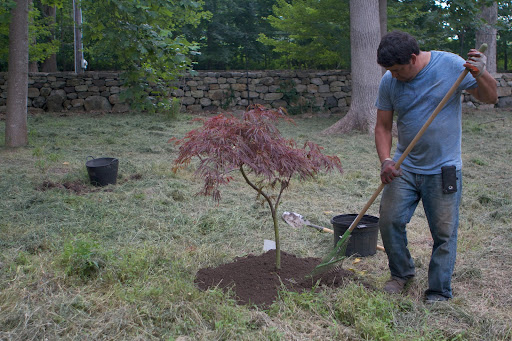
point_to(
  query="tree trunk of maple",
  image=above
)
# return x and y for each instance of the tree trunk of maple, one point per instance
(487, 34)
(50, 63)
(17, 82)
(366, 73)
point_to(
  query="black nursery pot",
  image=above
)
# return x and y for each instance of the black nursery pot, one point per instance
(102, 171)
(363, 239)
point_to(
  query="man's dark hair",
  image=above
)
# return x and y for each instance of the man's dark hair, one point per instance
(396, 48)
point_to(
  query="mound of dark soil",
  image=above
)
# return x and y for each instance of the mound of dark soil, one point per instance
(255, 280)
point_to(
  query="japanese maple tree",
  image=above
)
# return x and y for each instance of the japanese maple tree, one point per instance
(254, 147)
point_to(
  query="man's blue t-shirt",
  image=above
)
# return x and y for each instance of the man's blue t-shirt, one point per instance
(415, 101)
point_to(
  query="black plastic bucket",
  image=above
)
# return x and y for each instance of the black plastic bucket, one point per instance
(363, 239)
(102, 171)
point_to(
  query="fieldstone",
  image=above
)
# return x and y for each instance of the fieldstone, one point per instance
(239, 87)
(504, 91)
(58, 92)
(216, 95)
(197, 93)
(340, 94)
(504, 102)
(77, 103)
(115, 89)
(187, 100)
(58, 85)
(267, 81)
(273, 96)
(114, 99)
(195, 108)
(73, 82)
(33, 92)
(210, 80)
(342, 102)
(121, 107)
(38, 102)
(81, 88)
(331, 102)
(323, 88)
(205, 101)
(317, 81)
(45, 92)
(178, 93)
(279, 104)
(97, 103)
(301, 88)
(54, 102)
(261, 88)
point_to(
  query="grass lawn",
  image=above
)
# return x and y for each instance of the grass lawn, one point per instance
(118, 262)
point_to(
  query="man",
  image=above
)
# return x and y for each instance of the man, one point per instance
(413, 86)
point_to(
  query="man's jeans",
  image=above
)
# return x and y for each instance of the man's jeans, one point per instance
(399, 200)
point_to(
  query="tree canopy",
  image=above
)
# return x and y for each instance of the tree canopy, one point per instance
(155, 37)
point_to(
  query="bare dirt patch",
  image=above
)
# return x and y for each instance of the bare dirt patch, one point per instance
(255, 280)
(75, 187)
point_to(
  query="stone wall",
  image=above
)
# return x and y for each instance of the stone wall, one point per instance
(326, 91)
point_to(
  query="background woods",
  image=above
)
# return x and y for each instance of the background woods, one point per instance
(232, 34)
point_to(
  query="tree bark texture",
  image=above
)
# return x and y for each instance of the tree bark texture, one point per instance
(50, 63)
(366, 73)
(487, 34)
(77, 14)
(383, 14)
(17, 83)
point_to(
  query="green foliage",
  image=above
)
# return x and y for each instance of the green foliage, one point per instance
(229, 38)
(40, 35)
(310, 33)
(144, 39)
(82, 257)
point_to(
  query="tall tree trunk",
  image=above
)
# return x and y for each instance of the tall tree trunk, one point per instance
(50, 63)
(33, 66)
(487, 34)
(505, 55)
(17, 82)
(77, 15)
(383, 15)
(366, 73)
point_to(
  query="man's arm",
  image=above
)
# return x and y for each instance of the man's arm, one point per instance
(383, 133)
(383, 141)
(486, 91)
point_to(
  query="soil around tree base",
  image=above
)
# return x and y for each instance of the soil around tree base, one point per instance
(255, 280)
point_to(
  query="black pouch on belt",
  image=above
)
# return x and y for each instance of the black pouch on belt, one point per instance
(449, 176)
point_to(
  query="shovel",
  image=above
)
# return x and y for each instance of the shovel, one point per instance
(297, 220)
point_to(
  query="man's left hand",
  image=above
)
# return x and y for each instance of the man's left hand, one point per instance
(476, 63)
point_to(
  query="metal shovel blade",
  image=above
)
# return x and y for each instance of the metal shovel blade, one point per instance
(297, 220)
(293, 219)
